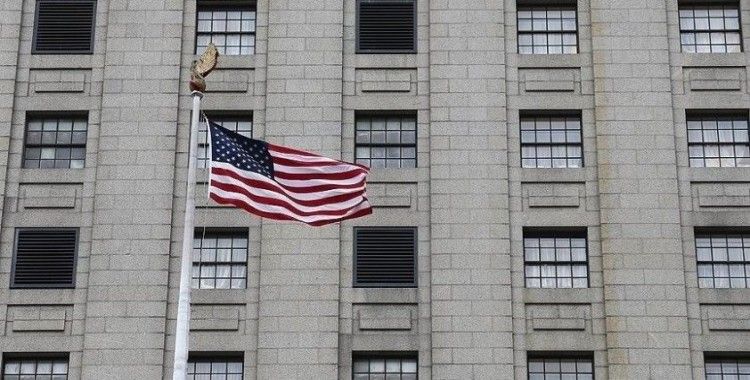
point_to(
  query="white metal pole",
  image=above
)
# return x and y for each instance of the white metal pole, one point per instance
(183, 305)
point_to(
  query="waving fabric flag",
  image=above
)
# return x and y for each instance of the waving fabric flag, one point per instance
(282, 183)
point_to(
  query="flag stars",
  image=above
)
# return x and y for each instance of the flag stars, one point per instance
(241, 152)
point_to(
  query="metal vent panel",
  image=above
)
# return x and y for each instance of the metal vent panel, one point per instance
(386, 26)
(385, 257)
(64, 26)
(45, 258)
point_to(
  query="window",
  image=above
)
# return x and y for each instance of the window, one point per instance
(386, 26)
(710, 28)
(64, 27)
(219, 259)
(718, 140)
(551, 142)
(37, 367)
(555, 259)
(723, 259)
(726, 367)
(547, 30)
(242, 124)
(385, 256)
(384, 366)
(566, 367)
(55, 142)
(386, 141)
(230, 28)
(44, 258)
(212, 367)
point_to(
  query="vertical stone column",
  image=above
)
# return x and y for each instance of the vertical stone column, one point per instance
(10, 35)
(471, 288)
(299, 265)
(125, 322)
(644, 283)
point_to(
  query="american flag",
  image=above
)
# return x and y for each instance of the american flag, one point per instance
(282, 183)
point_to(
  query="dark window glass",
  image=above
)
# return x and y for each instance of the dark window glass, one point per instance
(64, 27)
(551, 142)
(386, 141)
(723, 259)
(565, 367)
(718, 141)
(55, 142)
(29, 367)
(45, 258)
(384, 367)
(710, 28)
(386, 26)
(385, 256)
(547, 30)
(230, 28)
(239, 124)
(215, 368)
(555, 259)
(219, 260)
(729, 368)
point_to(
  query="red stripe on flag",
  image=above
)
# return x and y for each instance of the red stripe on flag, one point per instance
(281, 203)
(278, 216)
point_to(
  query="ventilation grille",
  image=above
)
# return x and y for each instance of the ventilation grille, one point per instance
(64, 26)
(385, 257)
(45, 258)
(386, 26)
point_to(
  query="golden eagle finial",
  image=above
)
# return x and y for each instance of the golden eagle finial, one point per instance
(202, 67)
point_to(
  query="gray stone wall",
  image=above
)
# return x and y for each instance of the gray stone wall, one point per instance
(470, 248)
(644, 281)
(300, 317)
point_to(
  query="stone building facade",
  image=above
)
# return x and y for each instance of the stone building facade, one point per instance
(645, 177)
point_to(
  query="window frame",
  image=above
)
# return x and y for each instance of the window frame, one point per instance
(370, 355)
(560, 355)
(547, 114)
(58, 116)
(415, 260)
(72, 285)
(709, 232)
(204, 5)
(708, 4)
(36, 357)
(359, 50)
(523, 6)
(556, 233)
(216, 356)
(202, 233)
(401, 114)
(36, 51)
(714, 115)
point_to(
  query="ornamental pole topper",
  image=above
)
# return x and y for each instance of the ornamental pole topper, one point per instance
(202, 67)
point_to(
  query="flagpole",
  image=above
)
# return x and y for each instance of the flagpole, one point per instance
(183, 305)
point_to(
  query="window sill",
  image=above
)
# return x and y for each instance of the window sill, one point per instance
(710, 59)
(52, 175)
(385, 295)
(385, 61)
(41, 296)
(556, 296)
(63, 61)
(396, 175)
(718, 174)
(724, 296)
(553, 175)
(219, 296)
(550, 60)
(235, 62)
